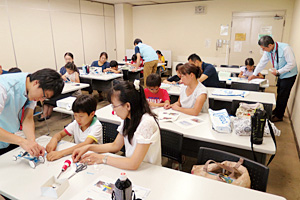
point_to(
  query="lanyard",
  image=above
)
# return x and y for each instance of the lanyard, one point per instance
(22, 117)
(276, 54)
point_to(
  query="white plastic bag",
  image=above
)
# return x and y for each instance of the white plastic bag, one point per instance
(220, 120)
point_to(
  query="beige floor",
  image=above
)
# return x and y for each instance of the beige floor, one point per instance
(284, 177)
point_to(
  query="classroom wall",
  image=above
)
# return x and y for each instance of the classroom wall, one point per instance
(294, 105)
(176, 27)
(37, 33)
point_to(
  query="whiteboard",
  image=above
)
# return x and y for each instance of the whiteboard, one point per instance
(166, 53)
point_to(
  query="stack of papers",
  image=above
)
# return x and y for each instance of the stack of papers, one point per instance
(225, 92)
(259, 81)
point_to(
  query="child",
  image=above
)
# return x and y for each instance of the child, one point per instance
(86, 128)
(72, 75)
(174, 79)
(139, 131)
(248, 69)
(133, 61)
(193, 94)
(161, 59)
(113, 67)
(156, 96)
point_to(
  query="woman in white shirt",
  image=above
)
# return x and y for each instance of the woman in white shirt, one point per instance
(193, 94)
(139, 131)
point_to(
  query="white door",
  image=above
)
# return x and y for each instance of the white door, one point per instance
(254, 25)
(110, 34)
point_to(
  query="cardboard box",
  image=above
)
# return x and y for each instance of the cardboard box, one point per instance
(54, 187)
(66, 103)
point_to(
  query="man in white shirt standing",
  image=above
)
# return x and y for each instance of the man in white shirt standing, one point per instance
(284, 67)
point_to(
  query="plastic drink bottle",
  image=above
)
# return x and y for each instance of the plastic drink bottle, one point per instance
(123, 188)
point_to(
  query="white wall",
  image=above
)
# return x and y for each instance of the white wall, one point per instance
(37, 33)
(176, 27)
(294, 105)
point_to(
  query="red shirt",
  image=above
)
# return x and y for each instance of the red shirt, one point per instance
(141, 63)
(160, 97)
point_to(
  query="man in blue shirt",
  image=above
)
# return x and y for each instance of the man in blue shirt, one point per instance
(209, 77)
(149, 56)
(284, 67)
(18, 95)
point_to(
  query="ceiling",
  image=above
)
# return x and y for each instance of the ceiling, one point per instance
(143, 2)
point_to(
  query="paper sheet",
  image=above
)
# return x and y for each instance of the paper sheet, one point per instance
(188, 122)
(237, 46)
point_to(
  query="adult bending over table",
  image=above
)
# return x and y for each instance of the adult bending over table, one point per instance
(149, 56)
(193, 94)
(284, 67)
(139, 131)
(18, 95)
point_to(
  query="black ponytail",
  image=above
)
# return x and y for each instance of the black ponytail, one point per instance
(126, 92)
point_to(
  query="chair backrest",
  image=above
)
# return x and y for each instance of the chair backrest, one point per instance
(259, 173)
(219, 104)
(245, 86)
(236, 103)
(171, 145)
(222, 84)
(125, 74)
(234, 66)
(110, 133)
(224, 65)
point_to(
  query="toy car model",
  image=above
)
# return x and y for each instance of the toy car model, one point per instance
(33, 161)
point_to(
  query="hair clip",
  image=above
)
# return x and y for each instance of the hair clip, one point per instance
(136, 84)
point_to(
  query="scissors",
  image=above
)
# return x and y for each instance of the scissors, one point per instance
(79, 168)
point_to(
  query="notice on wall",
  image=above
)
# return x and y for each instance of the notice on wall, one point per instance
(224, 30)
(267, 30)
(240, 37)
(237, 46)
(207, 43)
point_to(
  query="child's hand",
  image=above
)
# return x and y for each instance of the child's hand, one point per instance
(51, 146)
(64, 78)
(54, 155)
(167, 106)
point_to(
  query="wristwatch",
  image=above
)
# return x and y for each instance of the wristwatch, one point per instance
(277, 73)
(104, 159)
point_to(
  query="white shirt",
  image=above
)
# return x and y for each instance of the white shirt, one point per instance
(189, 101)
(3, 98)
(246, 72)
(72, 76)
(94, 131)
(289, 57)
(147, 132)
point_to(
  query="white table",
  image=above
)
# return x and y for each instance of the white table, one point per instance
(203, 135)
(71, 87)
(101, 82)
(124, 63)
(229, 80)
(19, 181)
(237, 70)
(262, 97)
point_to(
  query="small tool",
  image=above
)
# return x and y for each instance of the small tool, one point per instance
(67, 164)
(79, 168)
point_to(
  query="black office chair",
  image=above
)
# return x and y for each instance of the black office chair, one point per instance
(259, 173)
(245, 86)
(224, 65)
(222, 84)
(234, 66)
(171, 146)
(236, 103)
(218, 105)
(110, 133)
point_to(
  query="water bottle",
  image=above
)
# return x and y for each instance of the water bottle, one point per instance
(125, 58)
(258, 122)
(122, 189)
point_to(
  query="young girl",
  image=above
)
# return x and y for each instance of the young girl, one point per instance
(139, 131)
(72, 75)
(248, 69)
(193, 94)
(161, 59)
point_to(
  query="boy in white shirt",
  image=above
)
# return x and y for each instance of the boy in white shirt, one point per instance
(86, 128)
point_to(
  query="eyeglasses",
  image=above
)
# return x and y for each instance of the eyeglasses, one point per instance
(117, 105)
(44, 94)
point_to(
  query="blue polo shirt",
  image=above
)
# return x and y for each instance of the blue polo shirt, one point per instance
(104, 66)
(4, 72)
(147, 53)
(210, 71)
